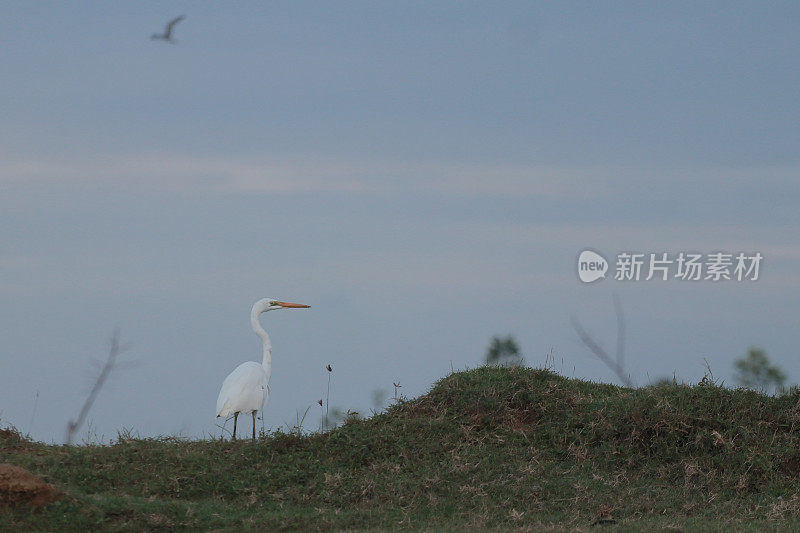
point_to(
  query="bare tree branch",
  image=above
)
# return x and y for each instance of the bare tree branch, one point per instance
(618, 364)
(113, 352)
(620, 332)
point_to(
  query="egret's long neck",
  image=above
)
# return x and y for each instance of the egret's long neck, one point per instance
(267, 361)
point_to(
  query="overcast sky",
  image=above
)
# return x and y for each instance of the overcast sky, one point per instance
(423, 174)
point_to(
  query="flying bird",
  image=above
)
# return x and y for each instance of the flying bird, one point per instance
(167, 35)
(246, 389)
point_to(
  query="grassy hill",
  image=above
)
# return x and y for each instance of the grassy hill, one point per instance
(488, 448)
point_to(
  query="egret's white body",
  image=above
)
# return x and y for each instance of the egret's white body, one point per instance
(246, 389)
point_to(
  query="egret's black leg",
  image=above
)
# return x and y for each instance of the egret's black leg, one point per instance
(254, 425)
(235, 417)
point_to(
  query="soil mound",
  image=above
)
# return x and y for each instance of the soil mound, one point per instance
(17, 485)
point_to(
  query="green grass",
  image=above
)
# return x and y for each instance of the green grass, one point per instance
(492, 448)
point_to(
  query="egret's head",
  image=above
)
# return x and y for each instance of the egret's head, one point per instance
(268, 304)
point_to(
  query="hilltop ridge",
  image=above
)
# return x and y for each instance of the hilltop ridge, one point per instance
(503, 448)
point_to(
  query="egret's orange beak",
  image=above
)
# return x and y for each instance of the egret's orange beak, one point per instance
(296, 306)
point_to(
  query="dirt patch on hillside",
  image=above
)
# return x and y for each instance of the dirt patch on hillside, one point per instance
(17, 485)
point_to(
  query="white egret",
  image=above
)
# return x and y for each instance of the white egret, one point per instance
(246, 389)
